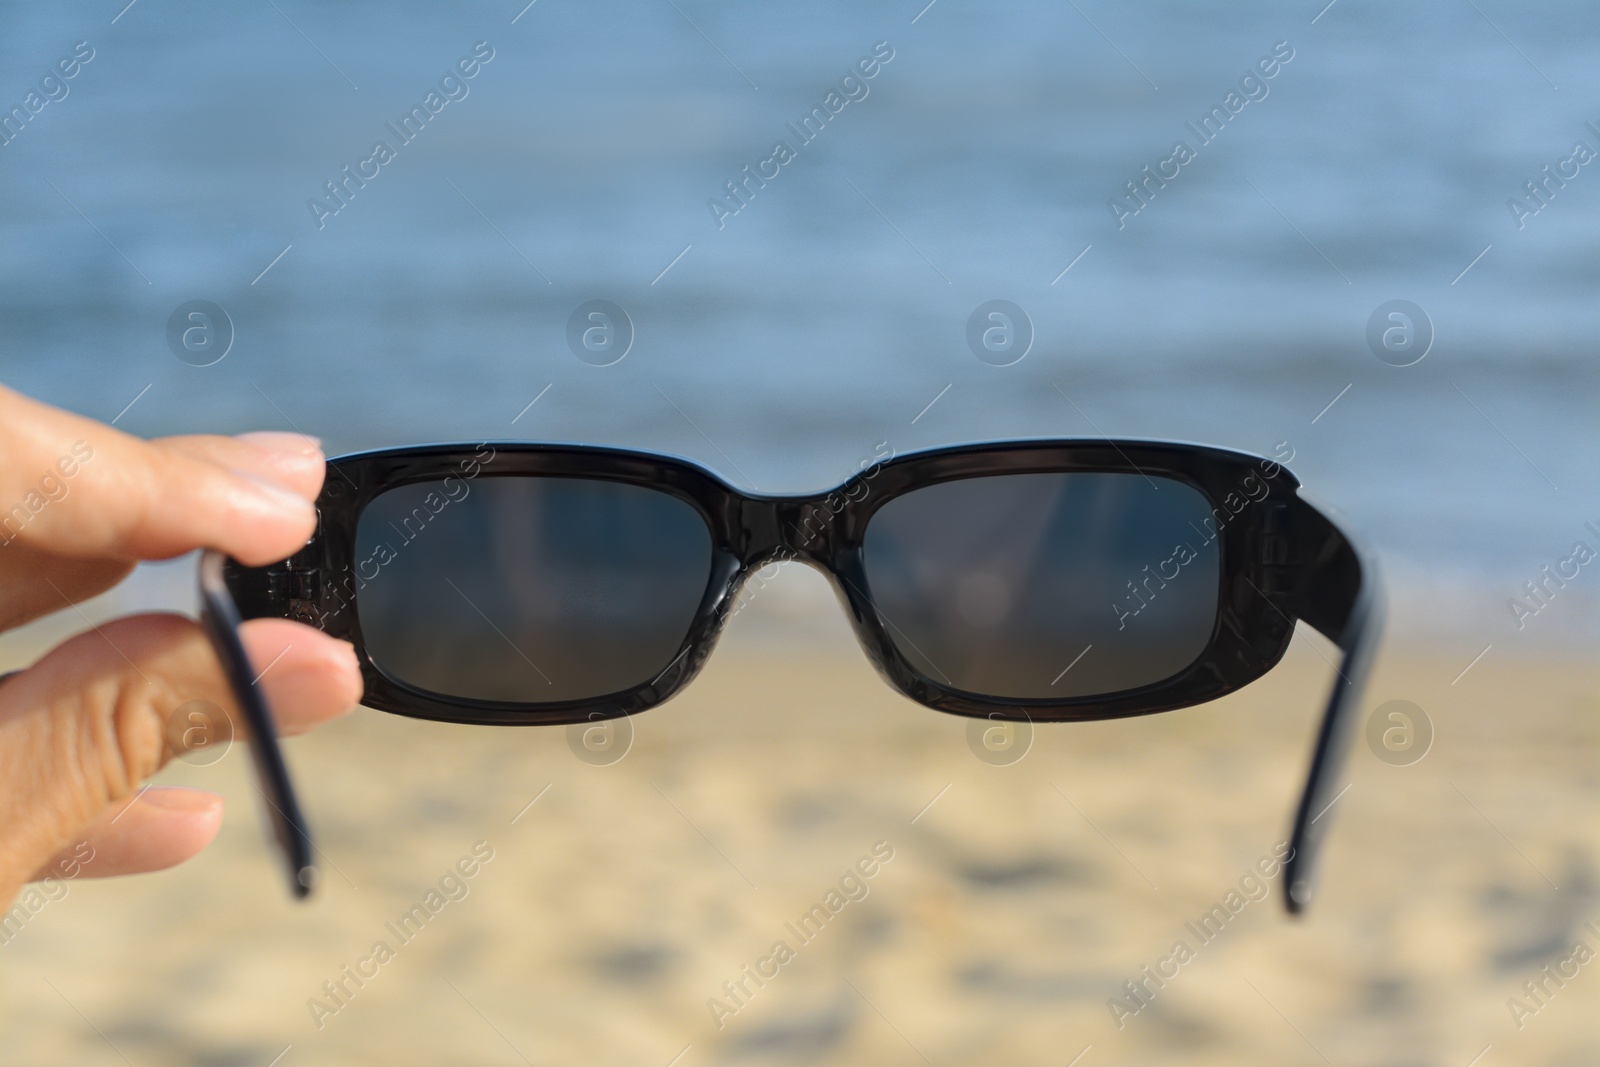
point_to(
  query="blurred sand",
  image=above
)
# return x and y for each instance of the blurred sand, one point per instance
(1013, 909)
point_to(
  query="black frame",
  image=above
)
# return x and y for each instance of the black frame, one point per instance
(1280, 559)
(219, 616)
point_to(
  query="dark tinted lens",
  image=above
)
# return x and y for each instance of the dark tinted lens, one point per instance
(1032, 586)
(528, 589)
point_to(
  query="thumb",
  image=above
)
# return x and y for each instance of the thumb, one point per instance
(83, 728)
(161, 827)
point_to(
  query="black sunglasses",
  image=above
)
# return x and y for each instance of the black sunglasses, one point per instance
(1046, 581)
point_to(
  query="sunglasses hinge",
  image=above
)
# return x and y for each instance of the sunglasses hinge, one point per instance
(285, 582)
(298, 592)
(1273, 552)
(1276, 540)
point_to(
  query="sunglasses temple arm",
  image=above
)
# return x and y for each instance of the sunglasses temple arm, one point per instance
(219, 615)
(1341, 597)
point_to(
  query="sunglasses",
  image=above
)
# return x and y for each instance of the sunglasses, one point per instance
(1037, 581)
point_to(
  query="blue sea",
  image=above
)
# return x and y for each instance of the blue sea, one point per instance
(987, 158)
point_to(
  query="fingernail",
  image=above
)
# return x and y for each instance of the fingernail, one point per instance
(276, 495)
(341, 658)
(177, 798)
(294, 443)
(344, 653)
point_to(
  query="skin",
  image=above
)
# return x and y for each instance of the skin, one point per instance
(82, 729)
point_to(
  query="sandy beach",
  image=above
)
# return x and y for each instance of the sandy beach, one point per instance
(609, 903)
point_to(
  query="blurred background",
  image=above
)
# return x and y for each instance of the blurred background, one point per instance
(1246, 302)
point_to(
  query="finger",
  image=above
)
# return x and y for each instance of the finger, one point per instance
(289, 459)
(308, 676)
(82, 728)
(76, 488)
(35, 583)
(161, 827)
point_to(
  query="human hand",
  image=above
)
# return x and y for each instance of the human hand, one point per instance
(81, 729)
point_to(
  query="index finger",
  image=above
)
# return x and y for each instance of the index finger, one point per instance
(73, 487)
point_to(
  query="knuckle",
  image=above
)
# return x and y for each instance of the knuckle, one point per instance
(104, 718)
(127, 740)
